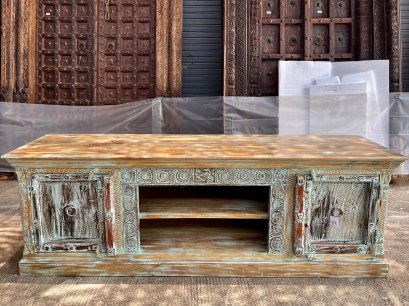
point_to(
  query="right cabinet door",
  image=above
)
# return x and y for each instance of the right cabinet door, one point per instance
(336, 214)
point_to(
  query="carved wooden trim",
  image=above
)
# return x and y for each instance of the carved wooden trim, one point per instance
(364, 37)
(26, 211)
(14, 80)
(197, 177)
(130, 210)
(277, 220)
(32, 54)
(379, 29)
(394, 46)
(230, 48)
(169, 16)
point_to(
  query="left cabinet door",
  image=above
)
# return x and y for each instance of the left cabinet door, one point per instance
(68, 213)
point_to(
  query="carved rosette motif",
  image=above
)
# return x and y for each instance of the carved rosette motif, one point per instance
(233, 177)
(276, 243)
(130, 216)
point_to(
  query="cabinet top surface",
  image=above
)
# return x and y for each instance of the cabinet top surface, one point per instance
(119, 150)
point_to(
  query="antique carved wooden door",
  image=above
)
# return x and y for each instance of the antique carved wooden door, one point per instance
(273, 30)
(65, 44)
(95, 52)
(125, 51)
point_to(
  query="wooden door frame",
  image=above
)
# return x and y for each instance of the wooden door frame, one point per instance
(32, 52)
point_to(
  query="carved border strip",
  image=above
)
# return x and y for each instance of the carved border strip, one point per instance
(277, 209)
(130, 212)
(180, 177)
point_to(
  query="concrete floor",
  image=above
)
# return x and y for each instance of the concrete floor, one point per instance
(16, 290)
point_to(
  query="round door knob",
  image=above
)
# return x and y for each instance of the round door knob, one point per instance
(319, 4)
(292, 3)
(70, 210)
(292, 41)
(318, 41)
(269, 73)
(81, 46)
(110, 47)
(269, 40)
(341, 4)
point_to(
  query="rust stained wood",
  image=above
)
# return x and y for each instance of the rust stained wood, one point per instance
(203, 151)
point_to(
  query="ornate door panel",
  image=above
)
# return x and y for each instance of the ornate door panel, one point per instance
(126, 51)
(330, 30)
(65, 57)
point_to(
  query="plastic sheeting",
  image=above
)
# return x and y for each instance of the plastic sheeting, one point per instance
(315, 115)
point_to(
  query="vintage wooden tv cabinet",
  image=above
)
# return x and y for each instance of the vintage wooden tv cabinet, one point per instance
(203, 205)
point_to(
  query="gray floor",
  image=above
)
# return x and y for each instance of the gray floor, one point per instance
(16, 290)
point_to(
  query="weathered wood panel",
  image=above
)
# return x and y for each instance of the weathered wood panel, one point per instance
(337, 213)
(163, 267)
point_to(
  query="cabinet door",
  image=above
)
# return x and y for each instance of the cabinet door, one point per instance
(336, 214)
(70, 213)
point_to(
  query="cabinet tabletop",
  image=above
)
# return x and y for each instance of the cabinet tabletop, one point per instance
(202, 150)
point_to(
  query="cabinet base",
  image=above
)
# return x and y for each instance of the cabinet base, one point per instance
(128, 267)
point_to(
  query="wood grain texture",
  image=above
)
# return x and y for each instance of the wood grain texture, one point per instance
(90, 267)
(203, 151)
(198, 237)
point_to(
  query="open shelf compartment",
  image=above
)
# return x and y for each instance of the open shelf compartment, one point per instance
(204, 238)
(204, 202)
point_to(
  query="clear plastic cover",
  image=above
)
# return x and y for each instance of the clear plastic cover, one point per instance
(343, 114)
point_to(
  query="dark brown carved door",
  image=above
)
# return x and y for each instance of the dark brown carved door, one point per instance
(303, 30)
(125, 52)
(282, 37)
(65, 52)
(330, 30)
(116, 65)
(259, 34)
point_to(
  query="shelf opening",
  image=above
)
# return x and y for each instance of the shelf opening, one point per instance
(204, 238)
(204, 202)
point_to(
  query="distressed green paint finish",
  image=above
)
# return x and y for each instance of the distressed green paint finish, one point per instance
(323, 213)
